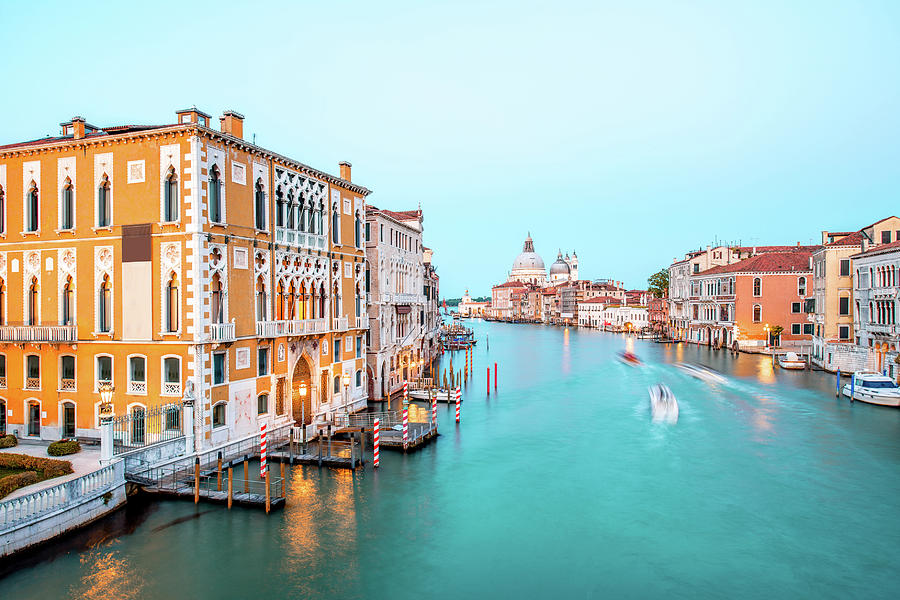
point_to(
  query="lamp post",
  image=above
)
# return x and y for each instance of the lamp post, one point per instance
(106, 422)
(303, 392)
(346, 381)
(767, 329)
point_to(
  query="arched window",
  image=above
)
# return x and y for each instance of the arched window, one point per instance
(171, 376)
(138, 424)
(757, 313)
(215, 195)
(757, 286)
(356, 230)
(292, 304)
(335, 224)
(2, 302)
(67, 301)
(170, 196)
(260, 205)
(32, 217)
(358, 378)
(32, 372)
(137, 375)
(290, 206)
(337, 384)
(33, 306)
(304, 213)
(801, 286)
(321, 228)
(279, 207)
(68, 420)
(104, 369)
(104, 305)
(67, 206)
(104, 212)
(219, 415)
(261, 302)
(171, 303)
(2, 223)
(218, 306)
(280, 302)
(262, 404)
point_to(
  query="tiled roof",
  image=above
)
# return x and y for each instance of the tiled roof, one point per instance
(768, 262)
(765, 249)
(880, 249)
(601, 300)
(881, 221)
(509, 284)
(851, 239)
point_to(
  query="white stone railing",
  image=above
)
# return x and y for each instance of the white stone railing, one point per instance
(307, 326)
(38, 333)
(271, 329)
(171, 389)
(221, 332)
(70, 493)
(293, 237)
(362, 322)
(339, 324)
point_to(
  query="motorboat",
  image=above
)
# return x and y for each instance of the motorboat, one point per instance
(790, 360)
(630, 358)
(874, 388)
(663, 405)
(440, 395)
(702, 373)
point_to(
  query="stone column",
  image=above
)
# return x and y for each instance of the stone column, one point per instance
(106, 439)
(188, 425)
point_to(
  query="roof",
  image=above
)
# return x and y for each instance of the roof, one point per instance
(509, 284)
(601, 300)
(765, 249)
(768, 262)
(854, 238)
(877, 222)
(880, 249)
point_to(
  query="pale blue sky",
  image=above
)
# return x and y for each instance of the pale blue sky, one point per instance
(629, 131)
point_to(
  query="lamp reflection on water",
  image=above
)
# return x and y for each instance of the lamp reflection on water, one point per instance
(108, 576)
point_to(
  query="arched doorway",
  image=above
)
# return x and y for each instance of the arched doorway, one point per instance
(708, 336)
(68, 420)
(384, 381)
(724, 340)
(370, 383)
(2, 417)
(301, 406)
(34, 418)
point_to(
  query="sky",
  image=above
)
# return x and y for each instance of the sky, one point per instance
(631, 132)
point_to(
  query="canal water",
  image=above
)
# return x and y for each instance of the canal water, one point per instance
(558, 485)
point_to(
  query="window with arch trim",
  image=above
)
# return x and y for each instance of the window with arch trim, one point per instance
(358, 378)
(215, 196)
(801, 286)
(137, 374)
(2, 302)
(32, 372)
(757, 286)
(218, 415)
(171, 376)
(67, 206)
(259, 203)
(170, 196)
(33, 307)
(335, 224)
(104, 369)
(67, 303)
(757, 313)
(104, 202)
(171, 304)
(32, 209)
(104, 306)
(262, 404)
(67, 372)
(336, 388)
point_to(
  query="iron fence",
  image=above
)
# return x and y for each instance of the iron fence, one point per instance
(144, 427)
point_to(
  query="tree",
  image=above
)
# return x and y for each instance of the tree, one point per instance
(658, 283)
(776, 332)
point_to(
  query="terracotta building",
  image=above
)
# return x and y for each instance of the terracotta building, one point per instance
(172, 257)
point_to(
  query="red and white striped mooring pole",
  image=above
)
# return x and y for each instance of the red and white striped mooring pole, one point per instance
(405, 425)
(262, 449)
(376, 442)
(405, 392)
(434, 412)
(458, 398)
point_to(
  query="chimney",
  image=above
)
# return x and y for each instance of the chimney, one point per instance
(232, 123)
(824, 237)
(192, 115)
(345, 170)
(78, 127)
(865, 243)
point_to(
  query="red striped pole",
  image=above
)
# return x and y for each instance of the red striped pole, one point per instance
(405, 392)
(262, 450)
(376, 442)
(495, 376)
(405, 426)
(489, 381)
(434, 412)
(458, 398)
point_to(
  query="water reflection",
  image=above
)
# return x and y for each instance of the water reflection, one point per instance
(108, 576)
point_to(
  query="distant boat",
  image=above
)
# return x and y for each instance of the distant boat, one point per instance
(663, 405)
(702, 373)
(873, 388)
(630, 358)
(790, 360)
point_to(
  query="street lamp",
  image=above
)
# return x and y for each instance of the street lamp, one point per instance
(303, 392)
(346, 380)
(766, 328)
(106, 406)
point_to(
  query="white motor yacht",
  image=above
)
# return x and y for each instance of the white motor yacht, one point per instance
(663, 405)
(790, 360)
(702, 373)
(873, 388)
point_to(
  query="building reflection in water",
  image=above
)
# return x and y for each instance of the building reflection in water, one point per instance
(107, 576)
(566, 358)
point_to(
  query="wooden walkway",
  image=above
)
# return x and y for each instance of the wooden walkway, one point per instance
(186, 492)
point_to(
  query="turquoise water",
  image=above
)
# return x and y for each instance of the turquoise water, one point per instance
(557, 486)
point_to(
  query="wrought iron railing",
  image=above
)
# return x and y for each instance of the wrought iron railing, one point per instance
(145, 427)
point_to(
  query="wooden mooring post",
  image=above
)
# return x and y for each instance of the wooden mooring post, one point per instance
(246, 474)
(197, 480)
(230, 485)
(268, 496)
(219, 472)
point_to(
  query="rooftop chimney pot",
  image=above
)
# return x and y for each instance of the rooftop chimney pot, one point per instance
(345, 170)
(232, 123)
(78, 127)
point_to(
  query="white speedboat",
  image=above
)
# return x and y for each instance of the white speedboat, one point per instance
(702, 373)
(441, 395)
(663, 405)
(790, 360)
(873, 388)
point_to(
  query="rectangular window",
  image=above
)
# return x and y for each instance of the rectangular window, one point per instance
(885, 237)
(262, 361)
(795, 307)
(367, 232)
(337, 349)
(844, 305)
(218, 368)
(3, 366)
(845, 267)
(696, 268)
(219, 415)
(844, 332)
(104, 369)
(67, 372)
(807, 329)
(795, 328)
(359, 346)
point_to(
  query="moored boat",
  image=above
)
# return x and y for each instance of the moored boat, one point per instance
(873, 388)
(790, 360)
(440, 395)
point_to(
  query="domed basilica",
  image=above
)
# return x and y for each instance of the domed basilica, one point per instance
(529, 267)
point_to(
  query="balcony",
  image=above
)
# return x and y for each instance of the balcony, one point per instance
(271, 329)
(292, 237)
(54, 334)
(221, 332)
(362, 322)
(307, 326)
(880, 328)
(339, 324)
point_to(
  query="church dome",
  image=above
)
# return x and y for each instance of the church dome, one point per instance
(528, 260)
(560, 267)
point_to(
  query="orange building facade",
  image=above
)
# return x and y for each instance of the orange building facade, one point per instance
(174, 258)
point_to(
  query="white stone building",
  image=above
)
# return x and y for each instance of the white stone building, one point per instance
(876, 295)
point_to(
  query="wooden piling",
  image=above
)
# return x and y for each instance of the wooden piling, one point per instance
(230, 485)
(219, 473)
(268, 496)
(246, 474)
(281, 463)
(291, 447)
(197, 480)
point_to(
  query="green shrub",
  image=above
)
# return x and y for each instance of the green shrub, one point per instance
(63, 447)
(48, 466)
(8, 441)
(11, 483)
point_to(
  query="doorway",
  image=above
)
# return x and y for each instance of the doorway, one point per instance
(68, 420)
(34, 419)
